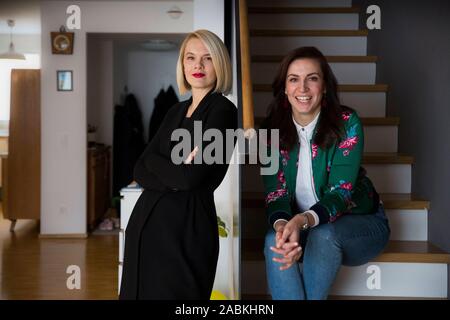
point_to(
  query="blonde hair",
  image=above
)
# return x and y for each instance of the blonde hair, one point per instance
(220, 59)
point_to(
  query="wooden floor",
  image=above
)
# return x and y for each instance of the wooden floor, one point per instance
(33, 268)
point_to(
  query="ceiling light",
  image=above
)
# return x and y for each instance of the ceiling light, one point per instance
(175, 12)
(11, 53)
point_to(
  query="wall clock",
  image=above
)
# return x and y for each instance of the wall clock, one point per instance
(62, 42)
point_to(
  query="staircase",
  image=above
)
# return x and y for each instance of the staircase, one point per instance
(410, 267)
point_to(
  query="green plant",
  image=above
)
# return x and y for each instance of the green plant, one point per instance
(223, 230)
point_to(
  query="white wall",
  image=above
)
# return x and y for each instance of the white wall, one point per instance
(120, 70)
(93, 72)
(31, 61)
(209, 14)
(106, 87)
(100, 88)
(25, 13)
(64, 117)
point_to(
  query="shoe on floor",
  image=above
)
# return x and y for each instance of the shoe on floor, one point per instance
(106, 225)
(116, 222)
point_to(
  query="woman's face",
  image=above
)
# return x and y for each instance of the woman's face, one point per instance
(304, 87)
(198, 67)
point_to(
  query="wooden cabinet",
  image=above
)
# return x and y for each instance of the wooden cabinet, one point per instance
(99, 185)
(21, 165)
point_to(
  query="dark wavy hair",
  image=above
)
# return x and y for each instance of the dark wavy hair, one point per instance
(330, 124)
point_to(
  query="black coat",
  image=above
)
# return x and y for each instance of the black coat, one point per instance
(172, 241)
(163, 102)
(128, 142)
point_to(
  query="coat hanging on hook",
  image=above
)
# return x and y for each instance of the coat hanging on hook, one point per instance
(163, 101)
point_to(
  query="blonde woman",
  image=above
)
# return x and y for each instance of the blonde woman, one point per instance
(172, 242)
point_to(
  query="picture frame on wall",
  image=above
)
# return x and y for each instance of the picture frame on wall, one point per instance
(64, 80)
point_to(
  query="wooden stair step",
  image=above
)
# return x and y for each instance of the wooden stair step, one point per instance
(390, 200)
(403, 201)
(363, 88)
(381, 121)
(279, 10)
(307, 33)
(395, 251)
(341, 88)
(386, 158)
(355, 59)
(374, 121)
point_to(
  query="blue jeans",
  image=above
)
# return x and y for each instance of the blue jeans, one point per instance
(352, 240)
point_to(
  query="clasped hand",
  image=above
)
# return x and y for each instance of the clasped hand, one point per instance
(287, 243)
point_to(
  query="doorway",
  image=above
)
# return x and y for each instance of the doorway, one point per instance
(125, 73)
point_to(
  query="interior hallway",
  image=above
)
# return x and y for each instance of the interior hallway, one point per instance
(33, 268)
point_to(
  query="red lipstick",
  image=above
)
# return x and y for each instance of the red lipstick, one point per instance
(198, 75)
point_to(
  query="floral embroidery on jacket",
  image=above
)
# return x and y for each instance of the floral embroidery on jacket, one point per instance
(345, 189)
(350, 142)
(314, 148)
(281, 191)
(346, 185)
(274, 195)
(346, 115)
(281, 178)
(284, 157)
(343, 185)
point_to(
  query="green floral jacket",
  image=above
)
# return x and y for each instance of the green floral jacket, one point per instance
(339, 181)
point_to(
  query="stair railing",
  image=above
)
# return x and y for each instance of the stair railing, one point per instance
(247, 87)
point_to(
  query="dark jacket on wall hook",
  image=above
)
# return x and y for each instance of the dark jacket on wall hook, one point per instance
(128, 141)
(163, 101)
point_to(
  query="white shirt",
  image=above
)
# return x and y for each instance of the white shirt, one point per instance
(305, 194)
